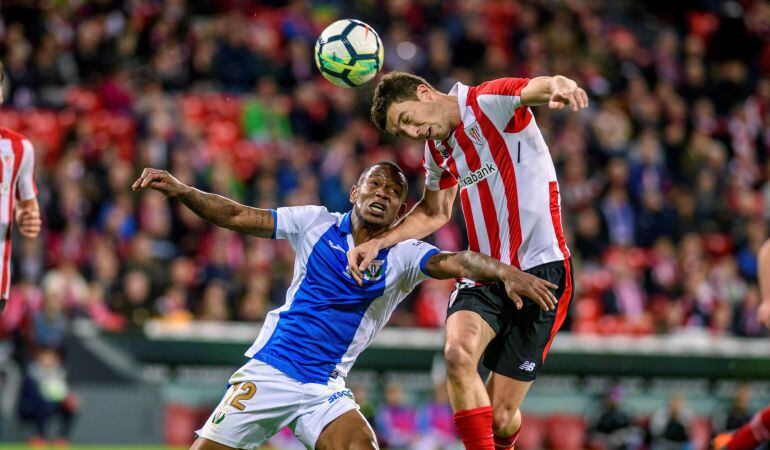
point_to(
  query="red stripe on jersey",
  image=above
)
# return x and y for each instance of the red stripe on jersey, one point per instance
(503, 86)
(562, 306)
(447, 179)
(450, 161)
(485, 194)
(18, 153)
(553, 191)
(470, 225)
(504, 163)
(566, 296)
(521, 118)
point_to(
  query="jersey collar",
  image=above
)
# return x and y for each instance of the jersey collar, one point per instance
(345, 224)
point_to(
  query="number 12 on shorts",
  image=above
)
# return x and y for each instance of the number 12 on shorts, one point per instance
(247, 391)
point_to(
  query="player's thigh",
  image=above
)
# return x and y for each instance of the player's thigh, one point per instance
(349, 431)
(467, 333)
(259, 401)
(205, 444)
(506, 393)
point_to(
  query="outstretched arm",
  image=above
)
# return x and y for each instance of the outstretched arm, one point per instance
(213, 208)
(557, 91)
(764, 283)
(476, 266)
(427, 216)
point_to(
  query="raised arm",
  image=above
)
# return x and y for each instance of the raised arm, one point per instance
(557, 91)
(432, 212)
(764, 283)
(478, 267)
(213, 208)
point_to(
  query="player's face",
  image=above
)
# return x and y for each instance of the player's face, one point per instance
(379, 198)
(422, 119)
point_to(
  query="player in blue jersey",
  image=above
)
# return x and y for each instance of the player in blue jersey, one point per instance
(296, 369)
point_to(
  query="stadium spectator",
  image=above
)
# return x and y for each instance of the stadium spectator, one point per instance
(45, 397)
(670, 426)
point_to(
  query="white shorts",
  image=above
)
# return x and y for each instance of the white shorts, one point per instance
(262, 400)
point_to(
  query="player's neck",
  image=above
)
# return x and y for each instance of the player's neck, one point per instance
(453, 109)
(362, 231)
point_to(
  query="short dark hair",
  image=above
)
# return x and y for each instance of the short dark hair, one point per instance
(393, 88)
(395, 168)
(2, 73)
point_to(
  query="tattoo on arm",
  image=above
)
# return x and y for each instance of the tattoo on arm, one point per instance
(228, 214)
(464, 264)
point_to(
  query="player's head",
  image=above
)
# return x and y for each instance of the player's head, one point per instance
(406, 105)
(380, 194)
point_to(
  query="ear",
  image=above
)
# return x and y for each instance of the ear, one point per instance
(424, 93)
(354, 194)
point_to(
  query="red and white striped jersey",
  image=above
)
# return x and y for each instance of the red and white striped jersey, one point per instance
(508, 188)
(17, 182)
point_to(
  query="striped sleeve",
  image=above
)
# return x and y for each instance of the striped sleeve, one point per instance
(501, 100)
(25, 182)
(436, 177)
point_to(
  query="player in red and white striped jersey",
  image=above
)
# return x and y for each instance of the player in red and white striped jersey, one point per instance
(484, 141)
(18, 196)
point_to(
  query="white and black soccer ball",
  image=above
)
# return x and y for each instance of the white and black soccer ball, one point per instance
(349, 53)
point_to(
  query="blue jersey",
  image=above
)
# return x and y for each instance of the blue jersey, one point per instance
(328, 319)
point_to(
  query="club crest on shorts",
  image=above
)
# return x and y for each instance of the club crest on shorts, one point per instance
(218, 417)
(474, 132)
(374, 271)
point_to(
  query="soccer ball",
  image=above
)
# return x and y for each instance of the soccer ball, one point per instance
(348, 53)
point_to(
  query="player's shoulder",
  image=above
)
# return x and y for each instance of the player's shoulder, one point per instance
(7, 133)
(410, 246)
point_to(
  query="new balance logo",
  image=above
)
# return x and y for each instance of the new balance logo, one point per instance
(336, 247)
(529, 366)
(478, 175)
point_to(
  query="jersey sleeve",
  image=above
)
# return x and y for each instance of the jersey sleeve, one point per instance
(413, 256)
(436, 177)
(501, 101)
(25, 182)
(293, 222)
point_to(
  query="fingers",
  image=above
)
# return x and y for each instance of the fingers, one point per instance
(541, 293)
(544, 299)
(556, 102)
(148, 177)
(367, 259)
(582, 98)
(353, 265)
(516, 299)
(575, 98)
(139, 180)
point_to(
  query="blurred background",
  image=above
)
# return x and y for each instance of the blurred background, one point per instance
(129, 313)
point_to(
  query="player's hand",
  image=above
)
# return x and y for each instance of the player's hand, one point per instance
(565, 92)
(29, 222)
(522, 284)
(360, 257)
(161, 181)
(764, 313)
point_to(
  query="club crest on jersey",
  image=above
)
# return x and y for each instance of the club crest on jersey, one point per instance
(6, 160)
(4, 188)
(474, 132)
(374, 271)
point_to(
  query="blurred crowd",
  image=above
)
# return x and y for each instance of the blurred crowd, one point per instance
(404, 423)
(664, 180)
